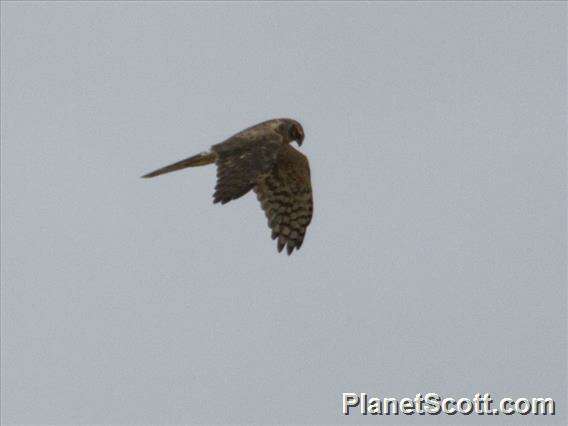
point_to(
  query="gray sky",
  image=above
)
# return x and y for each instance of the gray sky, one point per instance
(436, 260)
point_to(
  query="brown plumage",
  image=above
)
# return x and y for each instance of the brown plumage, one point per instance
(260, 158)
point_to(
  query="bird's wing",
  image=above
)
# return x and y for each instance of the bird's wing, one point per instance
(286, 197)
(242, 160)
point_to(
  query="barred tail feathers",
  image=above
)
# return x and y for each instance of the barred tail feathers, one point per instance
(201, 159)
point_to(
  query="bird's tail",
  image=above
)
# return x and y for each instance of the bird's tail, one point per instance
(201, 159)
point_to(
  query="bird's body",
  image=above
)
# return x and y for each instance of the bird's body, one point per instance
(260, 158)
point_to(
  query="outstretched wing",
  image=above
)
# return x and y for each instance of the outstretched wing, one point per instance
(286, 197)
(243, 159)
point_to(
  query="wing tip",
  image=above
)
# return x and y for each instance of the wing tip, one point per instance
(284, 242)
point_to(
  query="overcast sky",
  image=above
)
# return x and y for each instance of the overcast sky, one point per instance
(435, 262)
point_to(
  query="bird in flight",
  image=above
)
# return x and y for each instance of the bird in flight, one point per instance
(261, 158)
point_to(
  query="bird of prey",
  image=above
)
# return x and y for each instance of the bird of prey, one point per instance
(261, 158)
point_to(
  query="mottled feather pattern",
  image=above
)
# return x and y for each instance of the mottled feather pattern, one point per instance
(261, 158)
(286, 197)
(240, 163)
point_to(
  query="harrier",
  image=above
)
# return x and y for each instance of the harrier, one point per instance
(261, 158)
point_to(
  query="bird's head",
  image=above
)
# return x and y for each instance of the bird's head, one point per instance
(296, 132)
